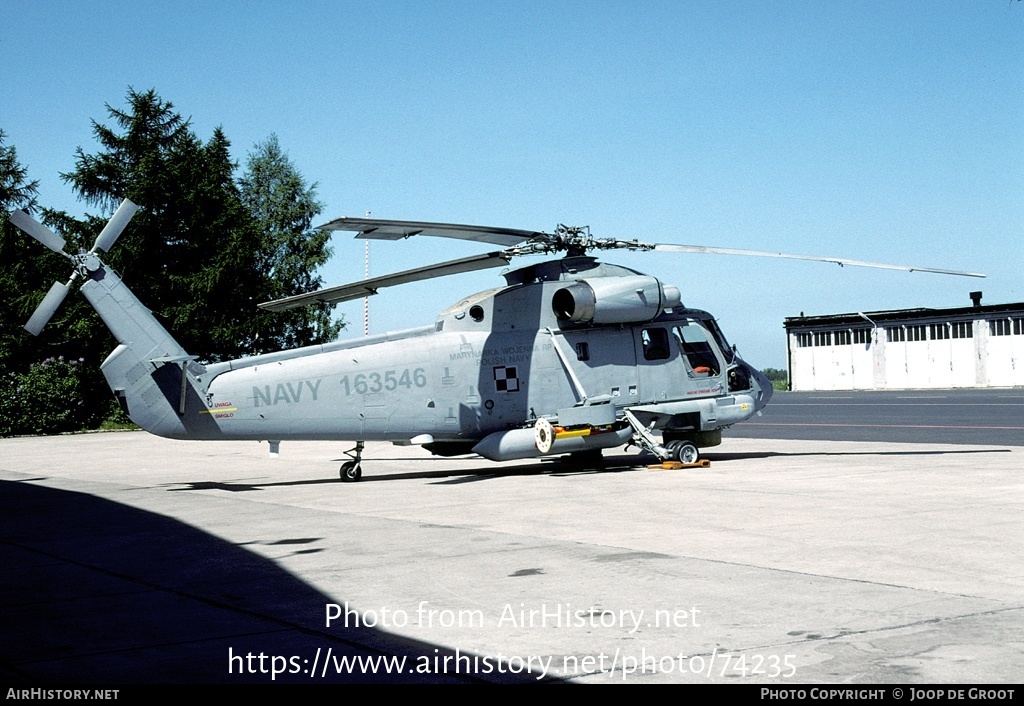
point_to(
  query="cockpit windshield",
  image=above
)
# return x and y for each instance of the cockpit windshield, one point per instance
(696, 347)
(723, 344)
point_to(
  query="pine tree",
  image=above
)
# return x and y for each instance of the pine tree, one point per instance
(44, 384)
(194, 254)
(202, 252)
(155, 160)
(21, 276)
(284, 207)
(15, 191)
(28, 271)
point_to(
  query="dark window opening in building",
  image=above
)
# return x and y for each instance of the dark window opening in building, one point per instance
(999, 327)
(862, 335)
(917, 333)
(938, 332)
(803, 340)
(1018, 327)
(963, 329)
(895, 334)
(842, 338)
(823, 338)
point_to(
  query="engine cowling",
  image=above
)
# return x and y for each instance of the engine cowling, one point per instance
(614, 300)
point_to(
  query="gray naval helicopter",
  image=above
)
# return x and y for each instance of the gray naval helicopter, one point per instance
(571, 356)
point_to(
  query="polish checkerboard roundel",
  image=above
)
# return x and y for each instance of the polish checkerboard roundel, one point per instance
(505, 379)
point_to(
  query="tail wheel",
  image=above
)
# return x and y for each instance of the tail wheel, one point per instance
(351, 471)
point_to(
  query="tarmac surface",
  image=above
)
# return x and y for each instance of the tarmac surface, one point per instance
(989, 416)
(134, 559)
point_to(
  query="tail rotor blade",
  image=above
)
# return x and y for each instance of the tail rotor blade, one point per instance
(47, 307)
(37, 230)
(115, 225)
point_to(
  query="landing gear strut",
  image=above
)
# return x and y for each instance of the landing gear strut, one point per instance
(642, 437)
(680, 450)
(351, 471)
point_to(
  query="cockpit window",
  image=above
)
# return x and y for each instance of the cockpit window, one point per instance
(723, 344)
(692, 339)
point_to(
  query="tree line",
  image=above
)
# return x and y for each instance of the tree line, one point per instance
(208, 244)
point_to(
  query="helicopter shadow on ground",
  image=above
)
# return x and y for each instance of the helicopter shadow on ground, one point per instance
(558, 467)
(448, 476)
(97, 592)
(555, 467)
(564, 467)
(640, 462)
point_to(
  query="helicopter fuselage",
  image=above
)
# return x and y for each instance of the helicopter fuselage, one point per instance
(572, 356)
(491, 364)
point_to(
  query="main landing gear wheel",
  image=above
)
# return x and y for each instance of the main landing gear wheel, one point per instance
(683, 451)
(351, 471)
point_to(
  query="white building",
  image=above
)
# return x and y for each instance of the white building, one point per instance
(977, 346)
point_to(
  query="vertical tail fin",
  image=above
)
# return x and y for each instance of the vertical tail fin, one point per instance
(152, 376)
(150, 373)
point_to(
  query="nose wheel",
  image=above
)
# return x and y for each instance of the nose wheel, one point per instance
(351, 471)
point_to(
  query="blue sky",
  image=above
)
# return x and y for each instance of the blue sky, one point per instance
(880, 131)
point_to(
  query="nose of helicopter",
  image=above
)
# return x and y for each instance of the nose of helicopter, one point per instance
(763, 387)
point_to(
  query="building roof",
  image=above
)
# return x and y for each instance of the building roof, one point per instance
(903, 316)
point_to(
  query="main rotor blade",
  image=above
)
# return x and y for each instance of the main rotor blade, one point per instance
(114, 226)
(366, 287)
(47, 307)
(382, 229)
(704, 250)
(38, 231)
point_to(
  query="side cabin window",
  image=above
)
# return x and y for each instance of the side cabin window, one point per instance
(696, 348)
(655, 341)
